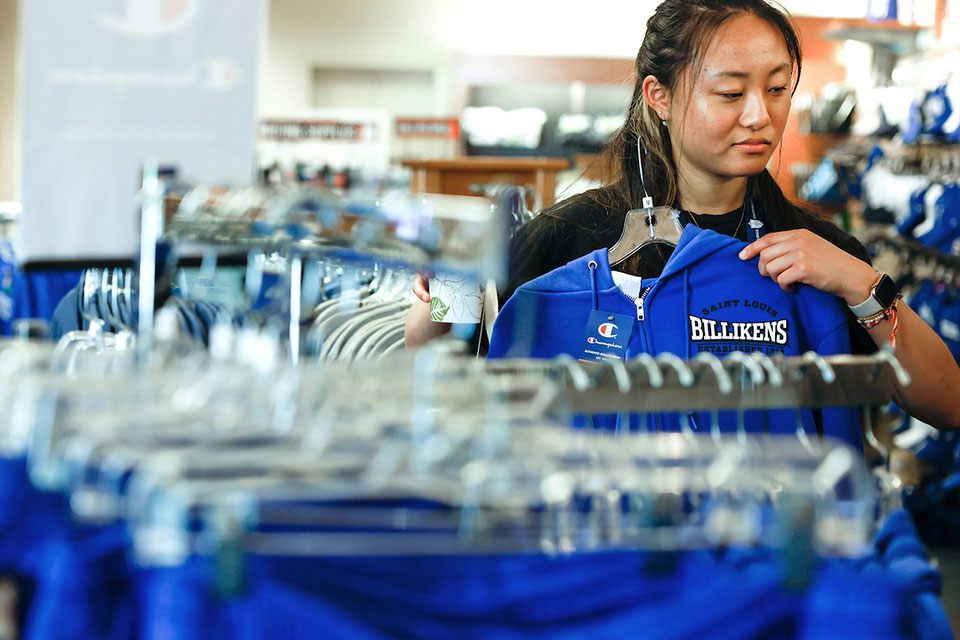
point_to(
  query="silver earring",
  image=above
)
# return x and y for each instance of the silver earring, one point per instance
(662, 121)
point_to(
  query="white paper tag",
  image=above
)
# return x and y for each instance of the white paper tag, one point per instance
(455, 299)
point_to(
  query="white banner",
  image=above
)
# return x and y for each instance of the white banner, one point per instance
(110, 84)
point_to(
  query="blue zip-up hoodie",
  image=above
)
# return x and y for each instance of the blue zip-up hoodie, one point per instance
(706, 300)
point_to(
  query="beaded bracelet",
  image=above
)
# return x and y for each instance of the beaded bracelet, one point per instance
(871, 321)
(890, 312)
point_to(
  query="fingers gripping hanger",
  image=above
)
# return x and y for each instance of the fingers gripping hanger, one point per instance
(645, 226)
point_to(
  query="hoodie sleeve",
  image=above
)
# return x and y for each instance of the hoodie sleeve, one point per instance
(538, 324)
(504, 329)
(515, 332)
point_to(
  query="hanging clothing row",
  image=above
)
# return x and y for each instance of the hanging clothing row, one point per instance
(922, 251)
(931, 282)
(929, 278)
(316, 234)
(230, 501)
(336, 244)
(368, 323)
(936, 114)
(105, 300)
(923, 201)
(911, 197)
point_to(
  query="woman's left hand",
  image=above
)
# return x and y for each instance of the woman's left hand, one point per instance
(801, 256)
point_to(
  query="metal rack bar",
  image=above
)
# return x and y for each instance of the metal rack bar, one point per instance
(661, 385)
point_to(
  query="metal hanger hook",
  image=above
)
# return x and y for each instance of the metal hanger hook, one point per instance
(641, 152)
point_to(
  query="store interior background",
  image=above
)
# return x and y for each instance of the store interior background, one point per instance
(436, 57)
(364, 64)
(369, 62)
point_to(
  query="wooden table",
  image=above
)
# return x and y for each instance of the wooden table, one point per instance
(459, 176)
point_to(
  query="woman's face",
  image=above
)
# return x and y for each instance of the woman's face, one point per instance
(730, 120)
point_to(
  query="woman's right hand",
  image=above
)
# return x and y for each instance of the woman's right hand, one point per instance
(421, 288)
(420, 329)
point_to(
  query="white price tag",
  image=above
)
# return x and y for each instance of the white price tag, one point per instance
(454, 299)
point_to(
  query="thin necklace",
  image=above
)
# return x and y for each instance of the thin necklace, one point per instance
(743, 210)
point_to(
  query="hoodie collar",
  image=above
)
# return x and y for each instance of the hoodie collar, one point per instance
(695, 245)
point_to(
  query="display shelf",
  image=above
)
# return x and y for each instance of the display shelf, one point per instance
(460, 176)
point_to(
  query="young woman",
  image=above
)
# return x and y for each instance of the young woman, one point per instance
(715, 79)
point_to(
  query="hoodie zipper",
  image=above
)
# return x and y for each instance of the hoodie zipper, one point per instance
(641, 316)
(641, 311)
(639, 302)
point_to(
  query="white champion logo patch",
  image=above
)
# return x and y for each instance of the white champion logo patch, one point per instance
(755, 224)
(608, 330)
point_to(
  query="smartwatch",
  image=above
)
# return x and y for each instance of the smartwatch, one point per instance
(882, 296)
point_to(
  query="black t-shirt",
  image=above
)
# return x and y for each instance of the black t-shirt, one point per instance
(732, 223)
(582, 224)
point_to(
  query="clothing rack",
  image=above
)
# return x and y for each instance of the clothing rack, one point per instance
(707, 383)
(926, 158)
(904, 256)
(501, 474)
(918, 156)
(453, 234)
(428, 462)
(457, 233)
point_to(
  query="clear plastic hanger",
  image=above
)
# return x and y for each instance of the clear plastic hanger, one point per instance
(649, 225)
(474, 448)
(550, 491)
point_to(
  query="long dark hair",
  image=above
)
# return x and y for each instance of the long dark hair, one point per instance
(678, 34)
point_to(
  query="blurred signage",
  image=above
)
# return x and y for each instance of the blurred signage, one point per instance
(318, 130)
(442, 128)
(110, 84)
(882, 10)
(149, 18)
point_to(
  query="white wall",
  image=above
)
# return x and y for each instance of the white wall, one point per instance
(427, 34)
(371, 34)
(402, 92)
(9, 103)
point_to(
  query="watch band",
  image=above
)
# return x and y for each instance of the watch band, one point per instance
(870, 306)
(883, 293)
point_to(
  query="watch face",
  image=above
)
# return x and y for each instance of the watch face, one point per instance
(886, 291)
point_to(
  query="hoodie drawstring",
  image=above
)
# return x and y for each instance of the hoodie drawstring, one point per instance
(686, 307)
(691, 415)
(592, 265)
